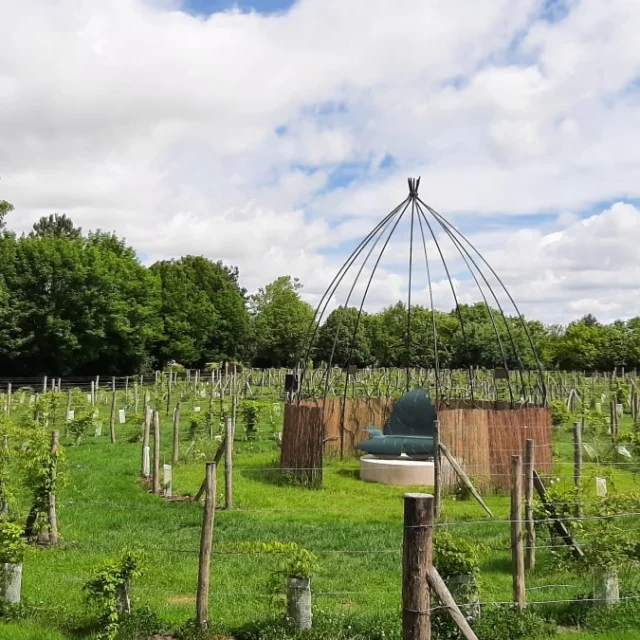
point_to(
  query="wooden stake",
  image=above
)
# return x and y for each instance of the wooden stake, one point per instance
(416, 563)
(156, 452)
(51, 502)
(557, 523)
(228, 465)
(176, 434)
(146, 432)
(213, 373)
(517, 550)
(530, 525)
(206, 544)
(93, 393)
(613, 420)
(577, 464)
(112, 417)
(8, 400)
(465, 479)
(439, 586)
(437, 471)
(216, 459)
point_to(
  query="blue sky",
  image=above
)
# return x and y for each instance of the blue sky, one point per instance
(206, 7)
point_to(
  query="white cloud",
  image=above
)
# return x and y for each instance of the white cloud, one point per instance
(139, 117)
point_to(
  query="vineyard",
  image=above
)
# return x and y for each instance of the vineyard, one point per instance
(106, 504)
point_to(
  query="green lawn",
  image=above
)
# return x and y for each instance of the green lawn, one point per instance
(353, 527)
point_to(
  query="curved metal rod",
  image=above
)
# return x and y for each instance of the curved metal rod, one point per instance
(515, 306)
(355, 331)
(353, 286)
(455, 298)
(484, 298)
(408, 345)
(433, 315)
(448, 228)
(337, 279)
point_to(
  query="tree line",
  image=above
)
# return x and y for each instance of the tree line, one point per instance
(74, 303)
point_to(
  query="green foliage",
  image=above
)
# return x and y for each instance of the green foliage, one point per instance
(610, 545)
(12, 544)
(280, 321)
(5, 208)
(508, 623)
(203, 311)
(252, 413)
(454, 555)
(74, 304)
(82, 423)
(57, 225)
(326, 626)
(140, 624)
(198, 424)
(108, 588)
(191, 630)
(624, 616)
(173, 367)
(293, 561)
(560, 414)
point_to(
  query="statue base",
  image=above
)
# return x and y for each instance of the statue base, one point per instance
(400, 471)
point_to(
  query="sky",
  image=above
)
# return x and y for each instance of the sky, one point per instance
(275, 135)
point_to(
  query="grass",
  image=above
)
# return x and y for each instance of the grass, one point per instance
(354, 528)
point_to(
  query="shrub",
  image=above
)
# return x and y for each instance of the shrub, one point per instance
(560, 414)
(326, 626)
(12, 544)
(109, 590)
(508, 623)
(80, 424)
(141, 624)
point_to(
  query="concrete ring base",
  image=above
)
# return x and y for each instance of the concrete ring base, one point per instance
(400, 472)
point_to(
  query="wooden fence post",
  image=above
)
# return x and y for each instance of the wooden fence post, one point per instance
(112, 417)
(437, 471)
(206, 544)
(613, 420)
(211, 392)
(145, 471)
(156, 452)
(8, 400)
(416, 563)
(529, 464)
(51, 502)
(228, 465)
(44, 384)
(517, 550)
(176, 434)
(577, 465)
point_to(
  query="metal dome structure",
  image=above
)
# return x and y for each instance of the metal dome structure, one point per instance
(435, 247)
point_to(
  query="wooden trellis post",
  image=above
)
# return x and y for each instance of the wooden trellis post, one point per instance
(416, 563)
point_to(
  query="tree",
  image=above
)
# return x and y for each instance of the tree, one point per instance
(338, 340)
(57, 225)
(79, 305)
(5, 208)
(281, 321)
(203, 312)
